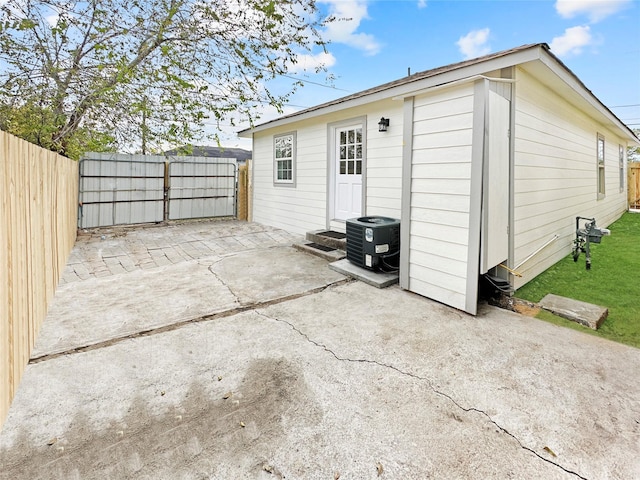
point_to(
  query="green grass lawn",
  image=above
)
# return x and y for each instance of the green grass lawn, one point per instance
(612, 282)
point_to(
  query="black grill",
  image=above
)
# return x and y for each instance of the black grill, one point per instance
(355, 239)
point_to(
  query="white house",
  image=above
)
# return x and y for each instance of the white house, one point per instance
(486, 163)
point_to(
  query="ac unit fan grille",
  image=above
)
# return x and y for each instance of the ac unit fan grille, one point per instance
(394, 245)
(355, 252)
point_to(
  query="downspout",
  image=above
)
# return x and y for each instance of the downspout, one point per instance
(510, 73)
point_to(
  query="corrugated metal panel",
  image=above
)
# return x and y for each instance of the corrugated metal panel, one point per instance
(117, 191)
(202, 189)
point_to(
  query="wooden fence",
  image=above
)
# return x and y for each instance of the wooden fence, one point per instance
(38, 216)
(633, 192)
(243, 192)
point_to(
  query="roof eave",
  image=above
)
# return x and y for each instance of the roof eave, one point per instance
(449, 74)
(399, 88)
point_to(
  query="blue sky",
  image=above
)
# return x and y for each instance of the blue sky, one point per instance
(599, 40)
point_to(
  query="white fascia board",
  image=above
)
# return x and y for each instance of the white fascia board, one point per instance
(406, 89)
(336, 107)
(453, 84)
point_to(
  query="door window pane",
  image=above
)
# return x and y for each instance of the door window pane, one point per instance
(350, 149)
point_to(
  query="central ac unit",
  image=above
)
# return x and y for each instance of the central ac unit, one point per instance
(374, 242)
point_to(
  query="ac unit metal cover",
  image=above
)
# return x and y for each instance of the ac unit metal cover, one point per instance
(373, 242)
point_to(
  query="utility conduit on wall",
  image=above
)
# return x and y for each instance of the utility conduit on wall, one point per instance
(555, 237)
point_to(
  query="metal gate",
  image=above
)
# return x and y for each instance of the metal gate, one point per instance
(201, 190)
(118, 189)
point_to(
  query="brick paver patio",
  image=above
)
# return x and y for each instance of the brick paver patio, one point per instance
(101, 252)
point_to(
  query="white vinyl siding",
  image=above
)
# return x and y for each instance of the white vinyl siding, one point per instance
(304, 207)
(298, 208)
(383, 184)
(556, 175)
(440, 195)
(551, 143)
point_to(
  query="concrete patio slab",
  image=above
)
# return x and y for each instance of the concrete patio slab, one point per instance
(263, 275)
(293, 410)
(527, 378)
(102, 309)
(340, 380)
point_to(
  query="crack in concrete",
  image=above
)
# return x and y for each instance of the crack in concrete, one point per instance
(236, 298)
(431, 386)
(175, 326)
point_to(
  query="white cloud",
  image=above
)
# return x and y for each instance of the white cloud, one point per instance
(422, 3)
(572, 42)
(596, 10)
(474, 43)
(52, 19)
(349, 14)
(308, 62)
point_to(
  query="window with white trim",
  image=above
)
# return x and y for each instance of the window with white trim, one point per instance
(621, 166)
(600, 166)
(284, 158)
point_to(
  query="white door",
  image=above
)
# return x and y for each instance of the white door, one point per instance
(495, 205)
(348, 168)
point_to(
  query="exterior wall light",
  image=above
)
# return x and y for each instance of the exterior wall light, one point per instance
(383, 124)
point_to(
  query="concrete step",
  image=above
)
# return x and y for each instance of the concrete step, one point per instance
(376, 279)
(328, 238)
(584, 313)
(323, 251)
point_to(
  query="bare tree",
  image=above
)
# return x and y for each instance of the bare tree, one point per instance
(117, 70)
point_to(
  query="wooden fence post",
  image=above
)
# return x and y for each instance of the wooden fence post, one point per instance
(243, 192)
(633, 185)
